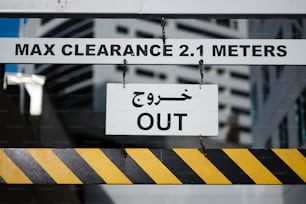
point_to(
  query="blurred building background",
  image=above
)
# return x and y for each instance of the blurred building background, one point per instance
(74, 108)
(278, 92)
(81, 88)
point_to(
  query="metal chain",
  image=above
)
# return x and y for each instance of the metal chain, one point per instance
(201, 67)
(124, 71)
(123, 151)
(163, 23)
(202, 149)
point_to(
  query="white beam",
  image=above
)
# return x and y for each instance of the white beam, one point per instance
(157, 8)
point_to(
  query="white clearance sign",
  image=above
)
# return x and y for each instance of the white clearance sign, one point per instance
(152, 51)
(162, 109)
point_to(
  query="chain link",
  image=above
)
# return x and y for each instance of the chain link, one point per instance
(201, 67)
(124, 71)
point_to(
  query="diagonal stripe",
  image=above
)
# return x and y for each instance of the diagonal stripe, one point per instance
(78, 166)
(276, 166)
(303, 151)
(228, 167)
(11, 173)
(1, 180)
(251, 166)
(128, 166)
(202, 166)
(152, 166)
(60, 173)
(294, 159)
(104, 167)
(177, 166)
(29, 166)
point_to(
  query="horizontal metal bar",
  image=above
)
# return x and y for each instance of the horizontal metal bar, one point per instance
(156, 8)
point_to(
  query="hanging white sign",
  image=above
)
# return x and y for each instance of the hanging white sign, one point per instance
(162, 109)
(152, 51)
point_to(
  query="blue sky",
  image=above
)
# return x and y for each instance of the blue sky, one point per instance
(9, 27)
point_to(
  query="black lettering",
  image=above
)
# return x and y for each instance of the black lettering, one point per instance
(219, 52)
(36, 50)
(65, 52)
(77, 51)
(180, 117)
(22, 50)
(49, 49)
(282, 52)
(184, 51)
(244, 49)
(256, 49)
(142, 50)
(90, 50)
(102, 51)
(115, 49)
(201, 49)
(232, 50)
(269, 51)
(128, 50)
(151, 122)
(152, 50)
(168, 124)
(167, 50)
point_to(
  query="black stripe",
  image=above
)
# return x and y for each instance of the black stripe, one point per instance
(2, 180)
(177, 166)
(29, 166)
(78, 166)
(303, 151)
(229, 168)
(272, 162)
(128, 166)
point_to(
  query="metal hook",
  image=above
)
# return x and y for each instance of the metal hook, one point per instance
(163, 23)
(161, 155)
(123, 152)
(202, 149)
(201, 67)
(124, 72)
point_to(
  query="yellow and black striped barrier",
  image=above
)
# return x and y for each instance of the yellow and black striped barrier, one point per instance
(151, 166)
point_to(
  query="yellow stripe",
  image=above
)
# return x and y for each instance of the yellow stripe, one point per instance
(152, 166)
(104, 167)
(10, 172)
(202, 166)
(294, 159)
(251, 166)
(60, 173)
